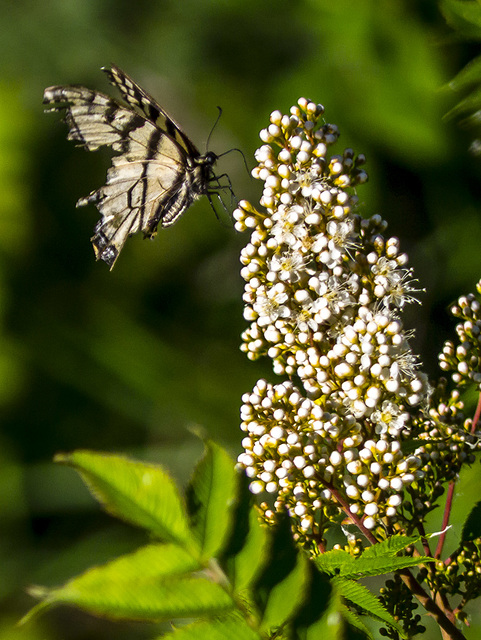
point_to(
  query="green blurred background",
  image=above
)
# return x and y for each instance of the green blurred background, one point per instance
(136, 359)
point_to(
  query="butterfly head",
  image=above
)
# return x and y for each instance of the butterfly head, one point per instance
(209, 158)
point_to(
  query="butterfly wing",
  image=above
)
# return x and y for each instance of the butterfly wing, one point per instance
(156, 174)
(143, 103)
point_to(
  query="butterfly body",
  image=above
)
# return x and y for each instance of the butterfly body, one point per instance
(158, 172)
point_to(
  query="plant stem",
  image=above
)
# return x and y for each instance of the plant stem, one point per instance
(353, 517)
(424, 540)
(440, 611)
(446, 515)
(450, 496)
(448, 629)
(477, 414)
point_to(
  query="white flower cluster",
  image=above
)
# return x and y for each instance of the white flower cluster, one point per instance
(304, 455)
(323, 292)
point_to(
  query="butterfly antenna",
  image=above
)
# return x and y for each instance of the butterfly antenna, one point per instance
(226, 152)
(212, 130)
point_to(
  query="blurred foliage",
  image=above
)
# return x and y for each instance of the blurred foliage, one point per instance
(133, 359)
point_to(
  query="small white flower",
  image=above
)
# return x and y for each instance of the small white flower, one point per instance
(288, 227)
(333, 293)
(389, 419)
(288, 266)
(395, 284)
(269, 304)
(341, 235)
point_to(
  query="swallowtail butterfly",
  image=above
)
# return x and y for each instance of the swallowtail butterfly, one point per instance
(157, 173)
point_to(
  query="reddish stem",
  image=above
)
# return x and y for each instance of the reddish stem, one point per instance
(352, 516)
(450, 496)
(447, 512)
(448, 628)
(424, 540)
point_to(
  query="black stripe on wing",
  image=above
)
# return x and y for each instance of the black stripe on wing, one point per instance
(94, 119)
(139, 99)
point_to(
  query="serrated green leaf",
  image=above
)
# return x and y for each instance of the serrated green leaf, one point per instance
(472, 526)
(154, 583)
(286, 597)
(142, 494)
(340, 562)
(362, 597)
(232, 626)
(152, 562)
(247, 549)
(372, 566)
(333, 561)
(211, 496)
(389, 547)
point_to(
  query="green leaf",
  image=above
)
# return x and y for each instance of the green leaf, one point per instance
(340, 562)
(211, 497)
(330, 625)
(281, 560)
(36, 592)
(389, 547)
(152, 584)
(286, 597)
(333, 561)
(472, 526)
(280, 589)
(233, 626)
(142, 494)
(316, 602)
(247, 564)
(378, 566)
(362, 597)
(152, 562)
(247, 549)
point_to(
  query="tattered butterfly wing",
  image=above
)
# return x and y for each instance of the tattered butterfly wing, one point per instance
(157, 174)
